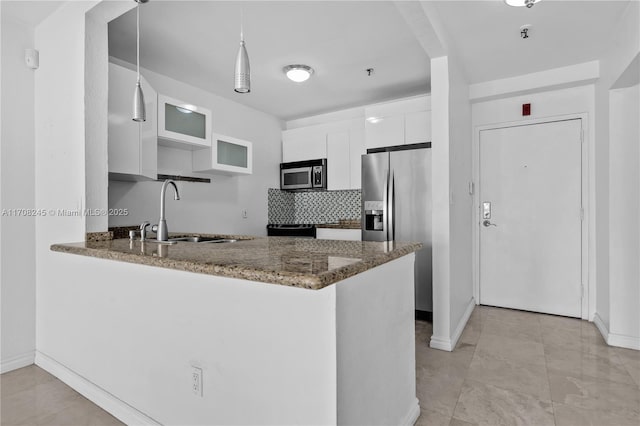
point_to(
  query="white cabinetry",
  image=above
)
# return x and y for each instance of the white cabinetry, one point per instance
(183, 125)
(338, 234)
(384, 131)
(401, 122)
(417, 127)
(227, 155)
(338, 164)
(132, 146)
(341, 143)
(305, 143)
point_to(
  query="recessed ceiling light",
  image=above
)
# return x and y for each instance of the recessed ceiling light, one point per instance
(520, 3)
(298, 73)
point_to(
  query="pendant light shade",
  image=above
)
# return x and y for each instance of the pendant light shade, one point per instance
(139, 111)
(243, 70)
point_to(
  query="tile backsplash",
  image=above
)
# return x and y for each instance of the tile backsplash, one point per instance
(313, 206)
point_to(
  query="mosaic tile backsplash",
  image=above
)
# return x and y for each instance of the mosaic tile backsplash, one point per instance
(313, 206)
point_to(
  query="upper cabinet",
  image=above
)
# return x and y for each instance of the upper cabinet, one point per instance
(406, 121)
(340, 142)
(305, 143)
(183, 125)
(132, 146)
(227, 155)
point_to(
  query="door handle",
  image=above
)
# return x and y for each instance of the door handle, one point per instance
(488, 223)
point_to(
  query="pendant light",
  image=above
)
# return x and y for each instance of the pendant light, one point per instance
(243, 70)
(139, 112)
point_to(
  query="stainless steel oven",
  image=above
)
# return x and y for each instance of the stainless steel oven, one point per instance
(301, 175)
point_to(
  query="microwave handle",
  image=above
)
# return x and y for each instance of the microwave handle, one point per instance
(317, 171)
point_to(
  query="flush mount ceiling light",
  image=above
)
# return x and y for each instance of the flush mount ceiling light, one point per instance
(139, 112)
(298, 73)
(520, 3)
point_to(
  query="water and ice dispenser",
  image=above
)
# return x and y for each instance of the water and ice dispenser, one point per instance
(373, 216)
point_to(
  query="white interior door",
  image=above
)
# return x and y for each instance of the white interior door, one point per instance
(530, 246)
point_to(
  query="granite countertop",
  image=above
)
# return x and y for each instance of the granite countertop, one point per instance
(297, 262)
(342, 224)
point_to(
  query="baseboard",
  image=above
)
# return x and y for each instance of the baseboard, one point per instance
(116, 407)
(624, 341)
(449, 344)
(413, 414)
(601, 326)
(440, 343)
(16, 362)
(463, 322)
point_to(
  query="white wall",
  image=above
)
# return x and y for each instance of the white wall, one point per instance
(267, 352)
(624, 217)
(17, 269)
(440, 223)
(625, 45)
(376, 372)
(215, 207)
(59, 142)
(460, 200)
(451, 225)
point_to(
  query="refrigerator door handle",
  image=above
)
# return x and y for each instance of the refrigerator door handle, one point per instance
(391, 208)
(385, 206)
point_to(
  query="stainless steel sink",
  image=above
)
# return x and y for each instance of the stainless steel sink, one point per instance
(203, 240)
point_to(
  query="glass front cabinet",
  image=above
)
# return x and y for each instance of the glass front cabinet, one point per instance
(183, 125)
(227, 155)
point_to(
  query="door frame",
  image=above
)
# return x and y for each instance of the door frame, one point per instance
(588, 287)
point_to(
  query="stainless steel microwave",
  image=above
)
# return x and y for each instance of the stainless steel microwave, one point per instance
(302, 175)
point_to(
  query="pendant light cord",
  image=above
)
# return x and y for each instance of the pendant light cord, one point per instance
(241, 25)
(138, 39)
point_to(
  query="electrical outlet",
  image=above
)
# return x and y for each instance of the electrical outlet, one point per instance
(196, 381)
(244, 214)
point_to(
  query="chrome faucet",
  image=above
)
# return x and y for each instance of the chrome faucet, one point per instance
(143, 230)
(161, 230)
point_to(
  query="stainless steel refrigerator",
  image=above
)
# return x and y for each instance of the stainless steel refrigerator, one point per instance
(396, 206)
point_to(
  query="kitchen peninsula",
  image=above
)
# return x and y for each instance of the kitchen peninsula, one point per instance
(283, 330)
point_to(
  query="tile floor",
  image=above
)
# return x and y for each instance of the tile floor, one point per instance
(31, 397)
(509, 368)
(520, 368)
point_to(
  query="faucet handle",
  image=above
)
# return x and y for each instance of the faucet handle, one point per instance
(154, 228)
(143, 230)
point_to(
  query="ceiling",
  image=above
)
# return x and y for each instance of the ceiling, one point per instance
(197, 42)
(30, 12)
(486, 34)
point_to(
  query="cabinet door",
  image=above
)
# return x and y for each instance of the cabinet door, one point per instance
(227, 155)
(303, 144)
(183, 125)
(417, 127)
(356, 150)
(338, 161)
(132, 147)
(149, 133)
(338, 234)
(384, 131)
